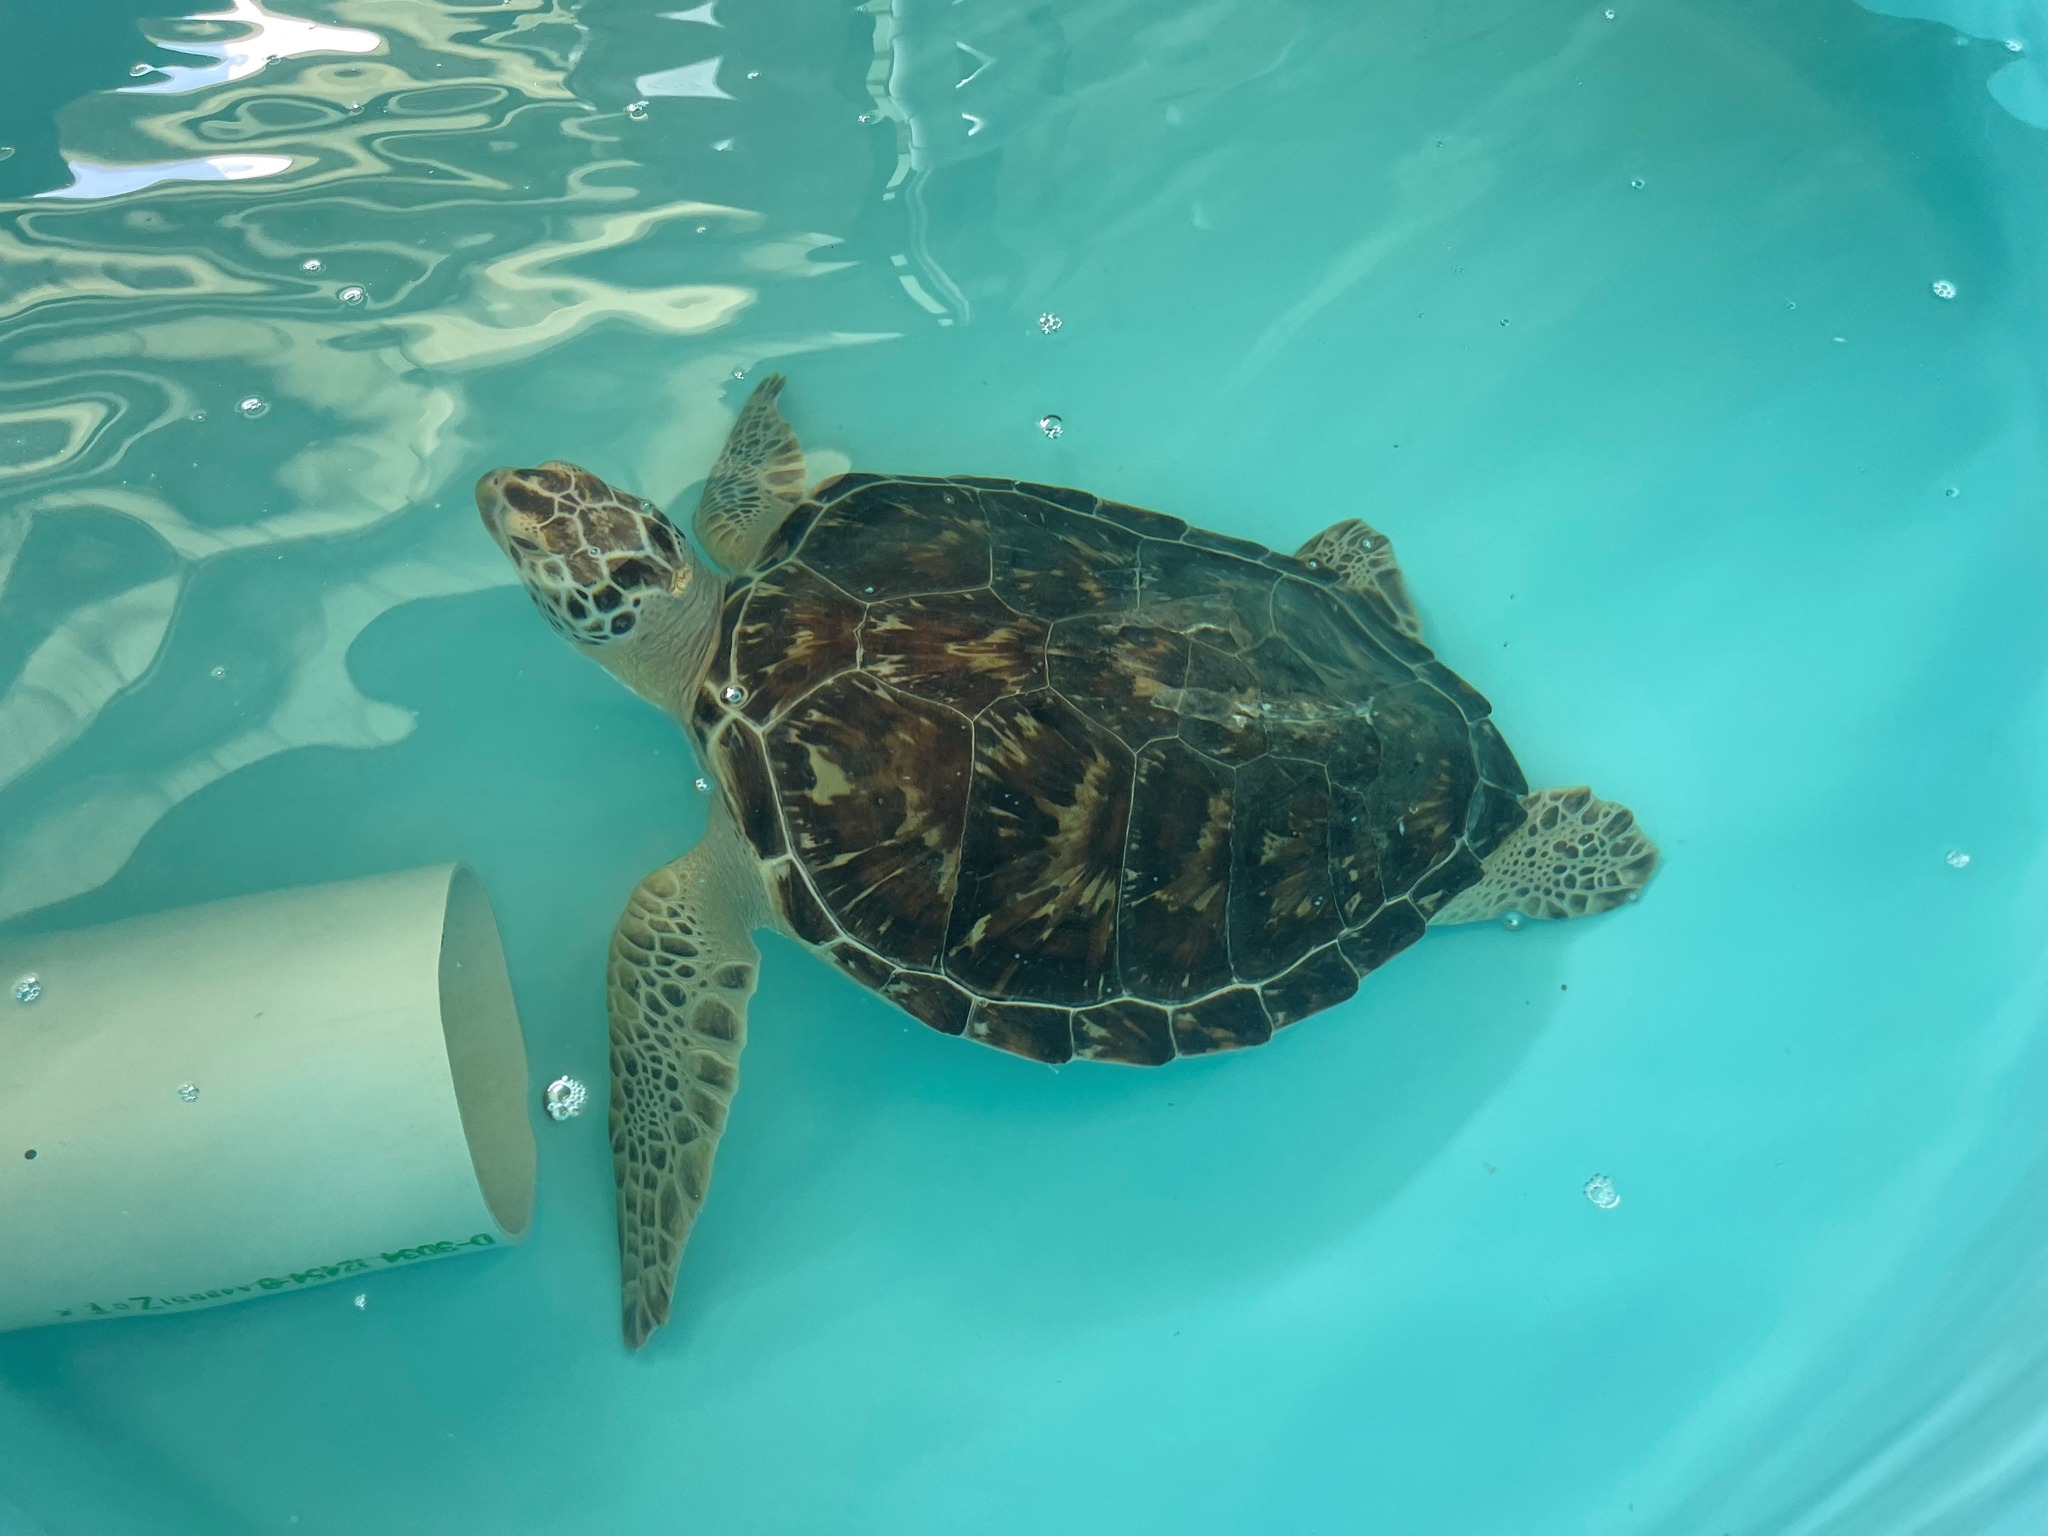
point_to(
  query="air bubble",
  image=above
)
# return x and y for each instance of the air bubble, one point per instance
(1601, 1191)
(1952, 492)
(253, 406)
(867, 117)
(188, 1092)
(362, 1300)
(739, 373)
(28, 989)
(354, 109)
(1051, 426)
(1049, 322)
(733, 693)
(197, 416)
(701, 784)
(2014, 45)
(137, 71)
(1957, 859)
(354, 293)
(1610, 15)
(637, 110)
(220, 672)
(753, 74)
(311, 264)
(1636, 182)
(565, 1098)
(1944, 289)
(6, 151)
(1512, 921)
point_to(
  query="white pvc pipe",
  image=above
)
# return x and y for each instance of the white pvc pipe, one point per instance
(256, 1096)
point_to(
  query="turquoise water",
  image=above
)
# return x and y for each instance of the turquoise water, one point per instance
(1625, 327)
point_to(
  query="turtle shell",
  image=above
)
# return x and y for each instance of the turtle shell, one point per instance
(1076, 779)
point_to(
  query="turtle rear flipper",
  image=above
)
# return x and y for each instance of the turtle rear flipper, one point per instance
(758, 479)
(1575, 855)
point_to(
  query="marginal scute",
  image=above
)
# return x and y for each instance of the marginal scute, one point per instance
(1321, 981)
(1228, 1021)
(1392, 929)
(1453, 875)
(799, 906)
(783, 542)
(1138, 1034)
(1024, 1029)
(930, 1000)
(1494, 815)
(861, 963)
(1495, 762)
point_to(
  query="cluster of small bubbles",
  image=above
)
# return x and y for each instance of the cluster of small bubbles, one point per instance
(1601, 1191)
(1944, 289)
(867, 117)
(188, 1092)
(565, 1098)
(2014, 45)
(311, 264)
(28, 989)
(1049, 322)
(1957, 859)
(637, 110)
(739, 373)
(733, 693)
(354, 293)
(137, 71)
(1636, 182)
(1512, 921)
(362, 1300)
(253, 406)
(701, 784)
(1051, 425)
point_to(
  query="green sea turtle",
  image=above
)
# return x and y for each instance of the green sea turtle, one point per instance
(1054, 773)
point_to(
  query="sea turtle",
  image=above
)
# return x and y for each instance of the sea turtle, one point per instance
(1044, 770)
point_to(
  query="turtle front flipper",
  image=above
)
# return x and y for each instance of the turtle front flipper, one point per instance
(682, 968)
(758, 479)
(1576, 854)
(1362, 560)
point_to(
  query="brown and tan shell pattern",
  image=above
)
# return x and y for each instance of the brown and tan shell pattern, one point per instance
(1076, 779)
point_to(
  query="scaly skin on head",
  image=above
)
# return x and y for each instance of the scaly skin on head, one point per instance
(610, 573)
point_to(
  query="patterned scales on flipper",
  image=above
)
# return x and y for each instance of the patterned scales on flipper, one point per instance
(1072, 778)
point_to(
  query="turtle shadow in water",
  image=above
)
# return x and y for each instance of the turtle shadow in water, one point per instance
(978, 1180)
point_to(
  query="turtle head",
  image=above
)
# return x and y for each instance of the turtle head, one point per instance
(608, 571)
